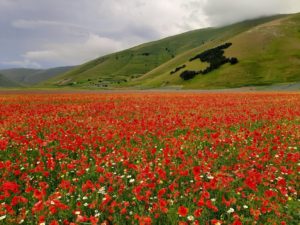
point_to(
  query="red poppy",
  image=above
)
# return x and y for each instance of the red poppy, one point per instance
(182, 211)
(111, 156)
(145, 220)
(38, 194)
(198, 212)
(10, 186)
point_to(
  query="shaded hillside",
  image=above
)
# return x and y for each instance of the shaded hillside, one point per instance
(32, 76)
(4, 82)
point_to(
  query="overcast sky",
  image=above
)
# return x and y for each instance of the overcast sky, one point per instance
(49, 33)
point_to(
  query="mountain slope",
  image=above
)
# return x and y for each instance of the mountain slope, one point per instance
(268, 53)
(32, 76)
(4, 82)
(132, 66)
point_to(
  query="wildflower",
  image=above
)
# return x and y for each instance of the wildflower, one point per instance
(210, 177)
(10, 186)
(102, 191)
(190, 218)
(197, 212)
(145, 220)
(183, 211)
(2, 217)
(231, 210)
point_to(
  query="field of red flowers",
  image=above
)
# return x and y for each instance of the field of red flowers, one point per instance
(150, 158)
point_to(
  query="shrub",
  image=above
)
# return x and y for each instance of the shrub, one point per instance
(233, 61)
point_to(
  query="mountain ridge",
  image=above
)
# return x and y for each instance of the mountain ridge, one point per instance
(119, 69)
(30, 77)
(262, 51)
(7, 83)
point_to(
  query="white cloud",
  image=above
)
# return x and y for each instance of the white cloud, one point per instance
(230, 11)
(56, 32)
(34, 24)
(26, 63)
(75, 53)
(164, 17)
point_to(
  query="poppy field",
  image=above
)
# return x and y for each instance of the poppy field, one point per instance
(150, 158)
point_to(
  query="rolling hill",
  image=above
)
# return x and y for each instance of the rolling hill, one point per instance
(5, 82)
(267, 51)
(29, 77)
(267, 54)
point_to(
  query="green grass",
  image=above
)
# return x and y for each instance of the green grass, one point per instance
(149, 65)
(268, 54)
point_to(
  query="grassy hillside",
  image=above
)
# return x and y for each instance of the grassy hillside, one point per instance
(148, 65)
(268, 53)
(4, 82)
(32, 76)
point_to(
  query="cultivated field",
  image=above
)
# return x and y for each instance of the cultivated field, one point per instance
(150, 158)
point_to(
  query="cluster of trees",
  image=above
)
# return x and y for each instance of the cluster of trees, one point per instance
(177, 69)
(215, 57)
(209, 54)
(189, 74)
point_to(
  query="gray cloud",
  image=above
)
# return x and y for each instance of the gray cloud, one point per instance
(25, 63)
(74, 53)
(222, 12)
(48, 33)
